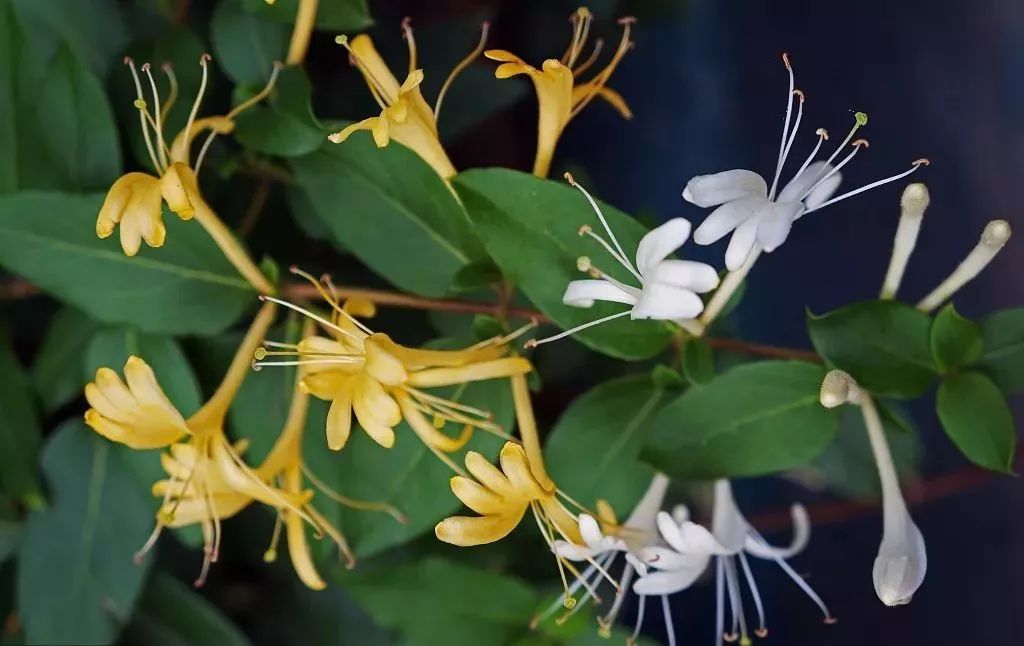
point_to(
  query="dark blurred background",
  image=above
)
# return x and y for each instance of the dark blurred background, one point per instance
(941, 79)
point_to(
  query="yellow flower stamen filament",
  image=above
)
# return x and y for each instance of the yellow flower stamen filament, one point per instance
(859, 119)
(508, 338)
(161, 147)
(204, 63)
(140, 104)
(172, 95)
(377, 89)
(580, 20)
(316, 317)
(586, 65)
(326, 289)
(271, 554)
(237, 110)
(553, 527)
(272, 492)
(336, 536)
(410, 40)
(567, 599)
(462, 65)
(363, 505)
(448, 403)
(601, 79)
(441, 455)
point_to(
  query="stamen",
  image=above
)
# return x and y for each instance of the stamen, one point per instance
(739, 618)
(316, 317)
(808, 590)
(859, 119)
(586, 65)
(857, 145)
(917, 164)
(364, 505)
(411, 41)
(639, 620)
(598, 82)
(140, 103)
(622, 257)
(462, 65)
(627, 577)
(158, 126)
(785, 126)
(912, 207)
(995, 235)
(585, 230)
(669, 628)
(377, 88)
(271, 554)
(148, 545)
(568, 600)
(508, 338)
(822, 136)
(719, 597)
(203, 62)
(838, 388)
(330, 298)
(533, 343)
(580, 20)
(752, 584)
(592, 577)
(172, 95)
(796, 128)
(238, 109)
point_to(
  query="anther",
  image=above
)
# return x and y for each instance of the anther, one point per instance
(260, 353)
(838, 388)
(145, 67)
(861, 143)
(166, 66)
(530, 344)
(270, 556)
(205, 58)
(583, 264)
(821, 132)
(730, 637)
(761, 632)
(626, 20)
(569, 178)
(996, 233)
(922, 162)
(830, 620)
(140, 104)
(569, 602)
(342, 40)
(800, 95)
(861, 118)
(785, 60)
(584, 230)
(127, 60)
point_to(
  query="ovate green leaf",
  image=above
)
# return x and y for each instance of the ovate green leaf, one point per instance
(1003, 354)
(754, 419)
(171, 613)
(334, 15)
(955, 341)
(55, 372)
(884, 345)
(246, 45)
(77, 583)
(186, 286)
(20, 432)
(976, 417)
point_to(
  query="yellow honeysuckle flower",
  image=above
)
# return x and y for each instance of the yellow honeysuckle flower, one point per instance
(405, 115)
(366, 373)
(134, 200)
(560, 97)
(285, 464)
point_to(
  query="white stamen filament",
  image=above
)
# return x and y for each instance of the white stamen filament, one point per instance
(669, 628)
(627, 577)
(719, 600)
(785, 127)
(622, 257)
(799, 580)
(912, 207)
(796, 128)
(917, 164)
(822, 136)
(755, 593)
(857, 145)
(739, 618)
(859, 119)
(532, 343)
(639, 620)
(585, 230)
(995, 235)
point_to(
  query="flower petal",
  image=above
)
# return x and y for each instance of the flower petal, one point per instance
(590, 531)
(478, 498)
(823, 192)
(687, 274)
(488, 475)
(583, 293)
(467, 531)
(719, 188)
(658, 243)
(727, 524)
(664, 558)
(727, 217)
(795, 189)
(339, 419)
(758, 547)
(665, 303)
(667, 582)
(572, 551)
(740, 245)
(901, 564)
(773, 225)
(516, 467)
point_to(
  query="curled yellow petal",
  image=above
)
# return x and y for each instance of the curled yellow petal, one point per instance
(381, 364)
(426, 431)
(339, 419)
(516, 467)
(473, 372)
(478, 498)
(489, 475)
(466, 531)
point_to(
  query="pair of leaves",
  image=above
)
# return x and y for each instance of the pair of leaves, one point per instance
(186, 286)
(751, 420)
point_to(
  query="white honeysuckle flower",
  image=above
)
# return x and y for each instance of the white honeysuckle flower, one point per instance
(690, 548)
(757, 216)
(668, 289)
(604, 541)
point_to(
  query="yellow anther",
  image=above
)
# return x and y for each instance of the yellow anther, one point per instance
(569, 602)
(270, 556)
(260, 353)
(583, 263)
(140, 104)
(165, 517)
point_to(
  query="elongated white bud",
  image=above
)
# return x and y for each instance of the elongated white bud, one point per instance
(912, 207)
(995, 235)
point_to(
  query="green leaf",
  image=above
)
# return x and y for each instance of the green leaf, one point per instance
(333, 15)
(698, 361)
(407, 475)
(480, 275)
(10, 537)
(435, 601)
(667, 378)
(54, 373)
(245, 45)
(186, 286)
(285, 126)
(955, 341)
(848, 466)
(95, 31)
(20, 432)
(609, 425)
(754, 419)
(55, 120)
(170, 613)
(884, 345)
(1003, 356)
(391, 210)
(976, 417)
(530, 227)
(111, 348)
(77, 583)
